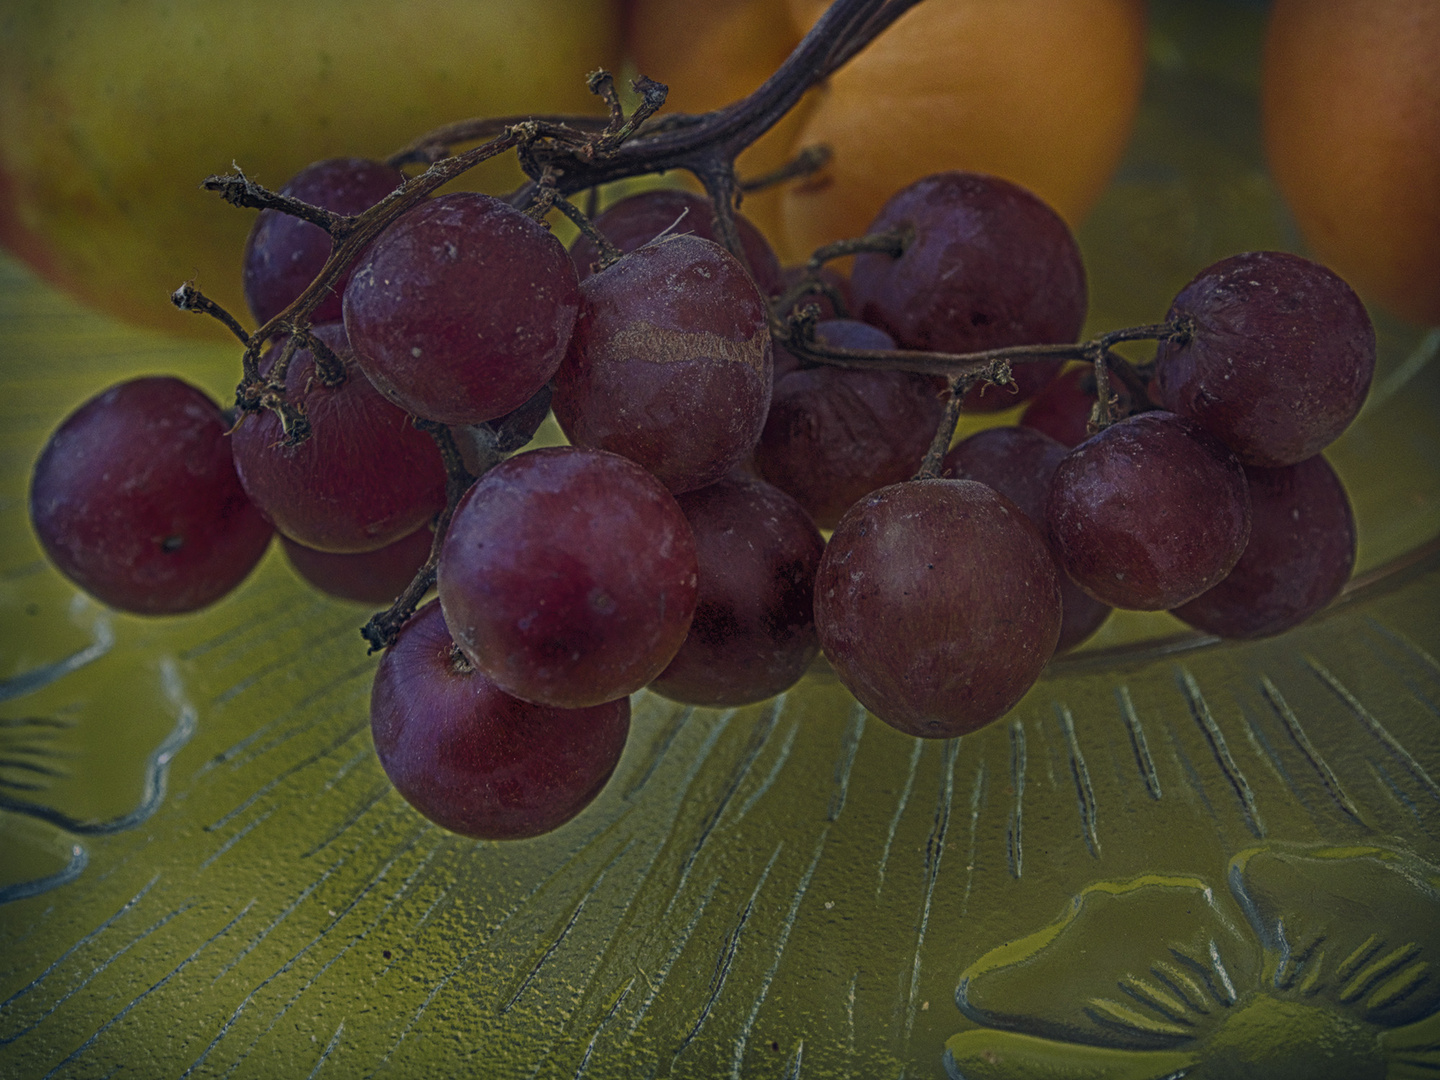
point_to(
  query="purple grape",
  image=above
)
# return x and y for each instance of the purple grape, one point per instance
(1300, 554)
(475, 760)
(1149, 513)
(753, 634)
(990, 266)
(938, 604)
(283, 254)
(1279, 361)
(368, 577)
(135, 500)
(461, 310)
(1019, 462)
(835, 434)
(670, 363)
(364, 478)
(637, 220)
(568, 576)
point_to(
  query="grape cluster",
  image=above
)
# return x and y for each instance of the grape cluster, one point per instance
(720, 412)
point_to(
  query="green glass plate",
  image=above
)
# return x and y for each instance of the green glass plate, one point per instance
(1175, 857)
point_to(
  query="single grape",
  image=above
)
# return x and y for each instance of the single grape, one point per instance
(135, 499)
(990, 266)
(475, 760)
(1149, 513)
(1019, 462)
(670, 364)
(367, 577)
(1300, 554)
(1279, 359)
(568, 576)
(364, 478)
(753, 634)
(637, 220)
(938, 604)
(1062, 407)
(835, 434)
(283, 254)
(461, 310)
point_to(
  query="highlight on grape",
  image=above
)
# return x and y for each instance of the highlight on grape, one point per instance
(721, 412)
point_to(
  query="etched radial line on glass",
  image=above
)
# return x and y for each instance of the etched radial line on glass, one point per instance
(88, 1043)
(934, 849)
(659, 748)
(780, 759)
(977, 797)
(727, 955)
(233, 839)
(376, 795)
(782, 939)
(846, 762)
(275, 781)
(1376, 728)
(600, 1027)
(1429, 662)
(758, 737)
(1014, 849)
(676, 949)
(1136, 730)
(1200, 711)
(315, 719)
(330, 1046)
(284, 914)
(900, 805)
(1313, 757)
(575, 914)
(1080, 774)
(291, 658)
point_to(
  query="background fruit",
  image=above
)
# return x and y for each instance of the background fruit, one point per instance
(1040, 92)
(1351, 106)
(112, 113)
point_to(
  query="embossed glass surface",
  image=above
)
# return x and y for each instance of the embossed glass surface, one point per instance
(1174, 858)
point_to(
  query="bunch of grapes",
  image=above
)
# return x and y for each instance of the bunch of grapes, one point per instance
(720, 412)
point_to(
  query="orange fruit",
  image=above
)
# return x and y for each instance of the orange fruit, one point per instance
(1040, 92)
(1351, 104)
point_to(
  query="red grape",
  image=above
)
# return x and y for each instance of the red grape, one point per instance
(283, 254)
(365, 477)
(1300, 554)
(461, 310)
(135, 499)
(568, 576)
(1149, 513)
(1279, 360)
(1019, 462)
(637, 220)
(990, 266)
(367, 577)
(475, 760)
(834, 434)
(670, 363)
(1062, 407)
(754, 629)
(938, 604)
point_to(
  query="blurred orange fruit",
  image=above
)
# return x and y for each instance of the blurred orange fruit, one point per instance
(1351, 103)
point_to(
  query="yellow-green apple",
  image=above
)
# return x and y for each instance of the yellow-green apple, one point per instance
(113, 111)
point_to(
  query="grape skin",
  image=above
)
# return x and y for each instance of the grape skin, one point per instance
(365, 477)
(1279, 361)
(1019, 462)
(938, 604)
(990, 266)
(753, 634)
(1149, 513)
(135, 499)
(671, 363)
(475, 760)
(284, 254)
(1300, 554)
(568, 576)
(461, 310)
(369, 577)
